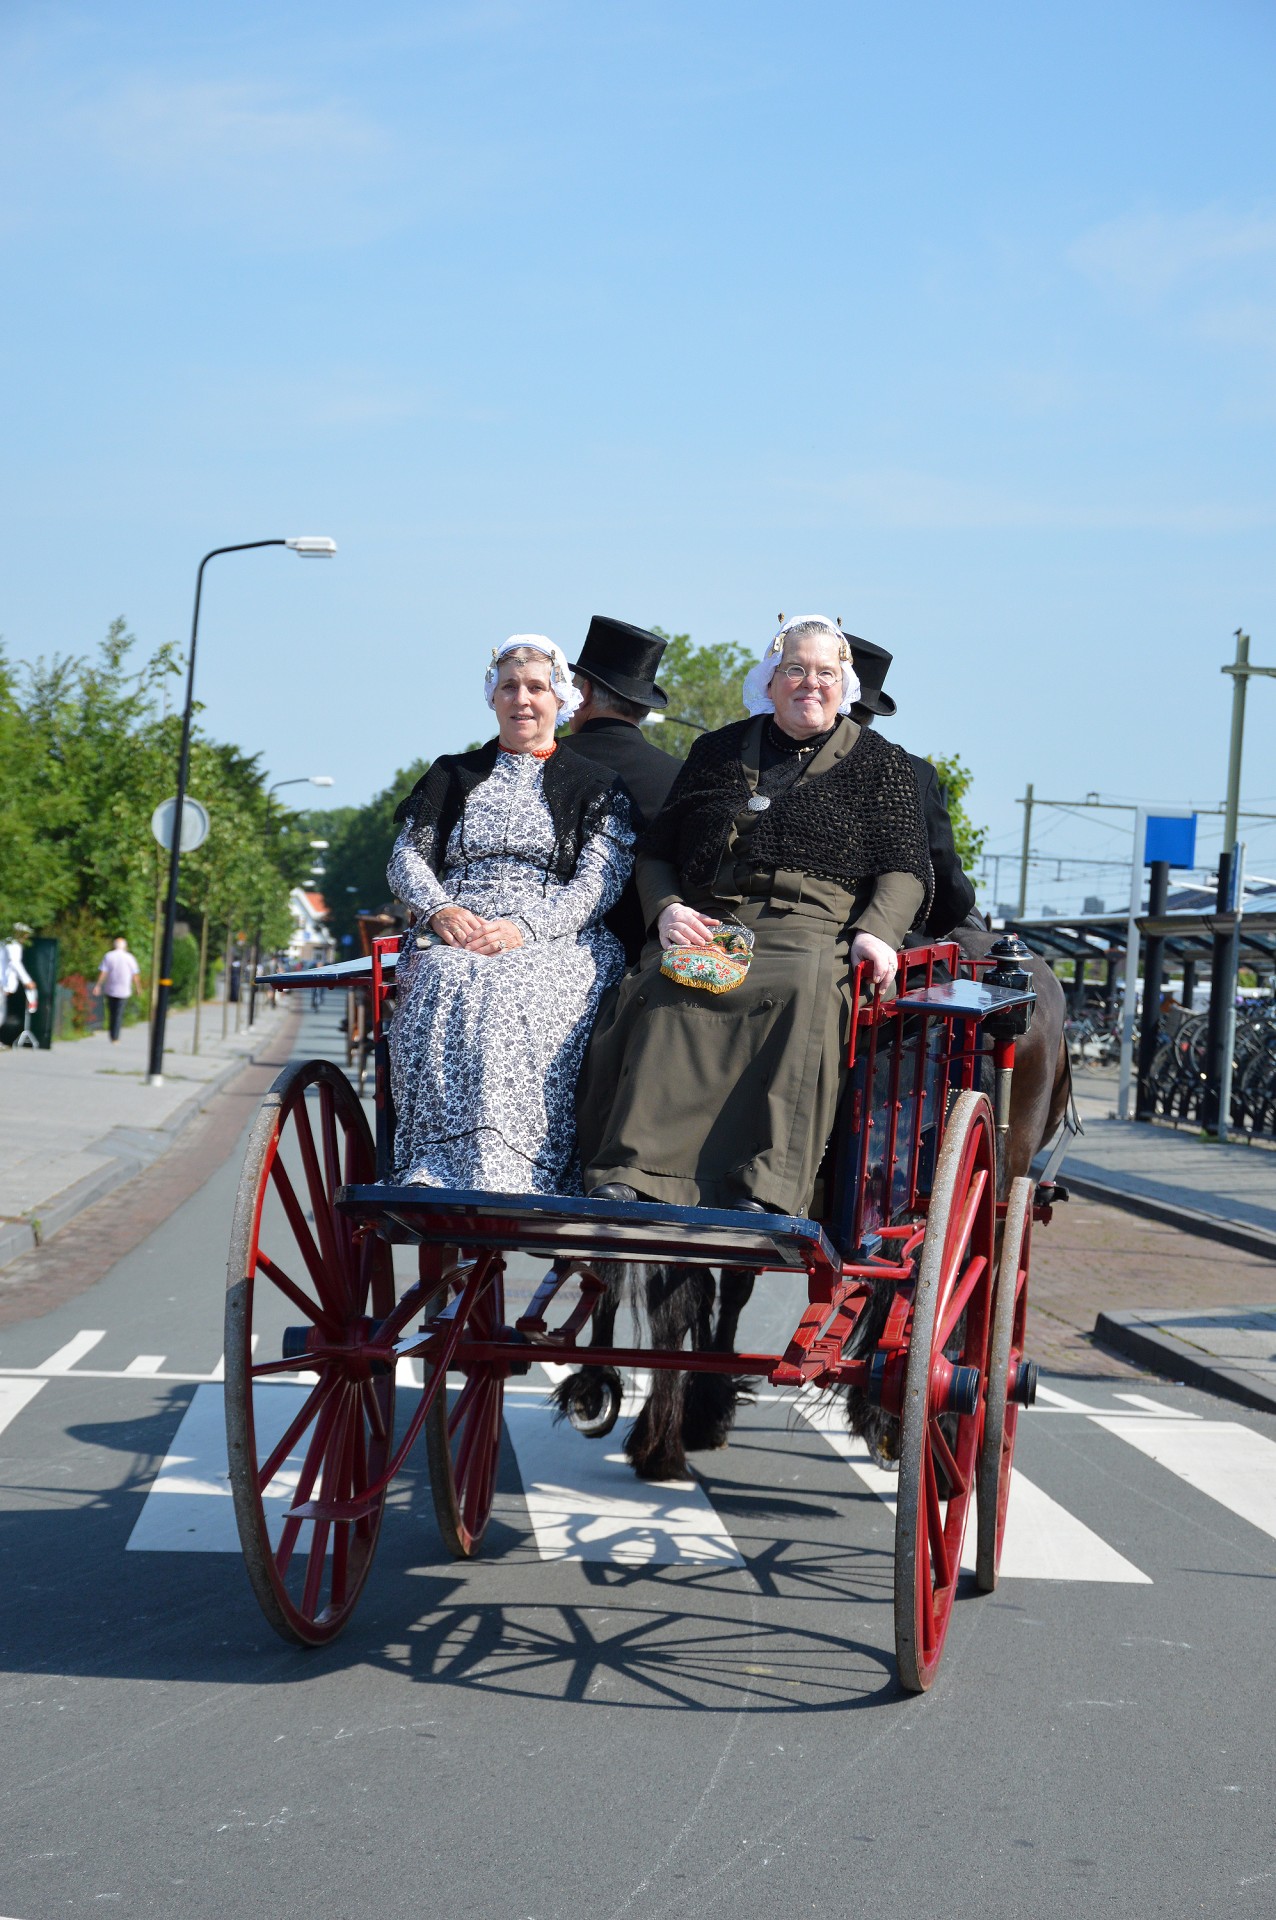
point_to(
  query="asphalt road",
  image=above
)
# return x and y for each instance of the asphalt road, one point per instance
(695, 1716)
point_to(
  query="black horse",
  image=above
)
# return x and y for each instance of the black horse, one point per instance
(690, 1413)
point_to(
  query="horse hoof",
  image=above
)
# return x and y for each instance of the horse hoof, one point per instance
(590, 1399)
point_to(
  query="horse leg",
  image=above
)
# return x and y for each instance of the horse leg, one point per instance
(590, 1398)
(712, 1398)
(679, 1301)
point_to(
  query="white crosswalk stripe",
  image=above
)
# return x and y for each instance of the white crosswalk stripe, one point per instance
(1043, 1540)
(584, 1504)
(1231, 1463)
(14, 1395)
(188, 1508)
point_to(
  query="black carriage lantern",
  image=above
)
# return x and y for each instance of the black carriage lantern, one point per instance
(1011, 973)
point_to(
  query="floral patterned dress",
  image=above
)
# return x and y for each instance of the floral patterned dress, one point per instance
(485, 1050)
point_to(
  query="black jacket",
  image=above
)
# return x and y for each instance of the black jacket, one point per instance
(617, 747)
(646, 771)
(954, 896)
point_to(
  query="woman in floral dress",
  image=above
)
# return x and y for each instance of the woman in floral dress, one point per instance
(510, 856)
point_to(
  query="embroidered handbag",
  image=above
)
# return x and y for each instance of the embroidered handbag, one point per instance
(716, 968)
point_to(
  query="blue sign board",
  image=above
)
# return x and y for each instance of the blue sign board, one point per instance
(1171, 838)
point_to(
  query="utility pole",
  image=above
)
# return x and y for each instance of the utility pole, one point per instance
(1026, 804)
(1226, 945)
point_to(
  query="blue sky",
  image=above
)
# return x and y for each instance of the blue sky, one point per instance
(957, 322)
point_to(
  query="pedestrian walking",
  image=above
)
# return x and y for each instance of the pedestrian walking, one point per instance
(119, 976)
(14, 978)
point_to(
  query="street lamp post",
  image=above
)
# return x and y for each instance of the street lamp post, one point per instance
(309, 547)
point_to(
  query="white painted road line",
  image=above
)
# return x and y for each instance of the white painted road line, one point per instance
(1232, 1464)
(585, 1504)
(14, 1395)
(1043, 1540)
(65, 1358)
(146, 1363)
(189, 1508)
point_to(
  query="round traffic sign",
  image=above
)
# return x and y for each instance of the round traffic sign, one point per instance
(194, 824)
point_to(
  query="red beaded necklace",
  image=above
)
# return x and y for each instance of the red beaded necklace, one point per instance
(533, 753)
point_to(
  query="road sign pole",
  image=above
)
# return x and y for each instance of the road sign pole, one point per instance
(1131, 965)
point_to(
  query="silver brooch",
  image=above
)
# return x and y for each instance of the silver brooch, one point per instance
(759, 803)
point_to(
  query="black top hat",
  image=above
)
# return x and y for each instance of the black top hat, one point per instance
(872, 664)
(623, 659)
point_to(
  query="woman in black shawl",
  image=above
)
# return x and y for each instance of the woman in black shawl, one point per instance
(808, 831)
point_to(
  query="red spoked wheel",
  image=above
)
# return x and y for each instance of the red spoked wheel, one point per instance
(1005, 1358)
(309, 1417)
(941, 1406)
(463, 1440)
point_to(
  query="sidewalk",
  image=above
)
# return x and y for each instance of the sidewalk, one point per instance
(79, 1120)
(1226, 1195)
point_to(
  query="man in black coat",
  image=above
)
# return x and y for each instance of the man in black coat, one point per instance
(616, 674)
(954, 895)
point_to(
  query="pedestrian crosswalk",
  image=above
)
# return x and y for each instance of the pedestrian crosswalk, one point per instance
(582, 1502)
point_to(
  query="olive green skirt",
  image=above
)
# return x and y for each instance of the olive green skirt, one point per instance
(708, 1099)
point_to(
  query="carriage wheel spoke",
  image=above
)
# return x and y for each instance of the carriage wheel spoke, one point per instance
(328, 1134)
(476, 1493)
(312, 1309)
(314, 1569)
(320, 1201)
(935, 1527)
(296, 1427)
(956, 1305)
(469, 1436)
(944, 1455)
(372, 1408)
(464, 1400)
(960, 1239)
(319, 1274)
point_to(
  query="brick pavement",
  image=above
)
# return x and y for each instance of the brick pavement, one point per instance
(90, 1244)
(1093, 1258)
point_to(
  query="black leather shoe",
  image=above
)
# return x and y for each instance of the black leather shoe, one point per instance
(615, 1191)
(752, 1206)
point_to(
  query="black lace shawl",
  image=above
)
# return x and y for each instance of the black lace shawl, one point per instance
(860, 819)
(579, 796)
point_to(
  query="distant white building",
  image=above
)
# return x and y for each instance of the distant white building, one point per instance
(310, 940)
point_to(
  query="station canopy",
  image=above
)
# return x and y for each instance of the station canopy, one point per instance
(1188, 927)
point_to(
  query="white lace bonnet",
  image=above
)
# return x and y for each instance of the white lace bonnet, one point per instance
(757, 680)
(560, 679)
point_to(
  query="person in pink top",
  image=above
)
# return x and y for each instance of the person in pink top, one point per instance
(119, 975)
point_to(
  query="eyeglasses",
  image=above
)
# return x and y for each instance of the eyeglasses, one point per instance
(826, 676)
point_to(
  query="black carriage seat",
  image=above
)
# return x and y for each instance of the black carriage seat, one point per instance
(573, 1228)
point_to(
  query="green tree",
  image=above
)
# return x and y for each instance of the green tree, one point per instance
(705, 689)
(955, 780)
(87, 751)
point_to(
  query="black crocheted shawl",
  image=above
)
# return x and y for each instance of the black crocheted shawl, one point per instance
(861, 818)
(579, 795)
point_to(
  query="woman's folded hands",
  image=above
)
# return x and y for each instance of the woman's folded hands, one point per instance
(458, 927)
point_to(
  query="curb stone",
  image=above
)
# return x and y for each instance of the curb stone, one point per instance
(1139, 1338)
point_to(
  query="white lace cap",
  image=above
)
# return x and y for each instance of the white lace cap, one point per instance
(757, 681)
(560, 679)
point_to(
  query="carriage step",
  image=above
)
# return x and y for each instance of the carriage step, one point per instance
(1024, 1388)
(1051, 1193)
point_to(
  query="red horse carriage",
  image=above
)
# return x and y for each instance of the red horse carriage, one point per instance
(910, 1199)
